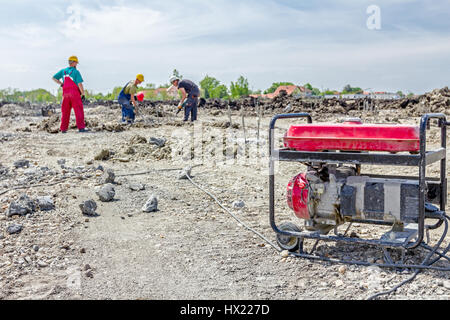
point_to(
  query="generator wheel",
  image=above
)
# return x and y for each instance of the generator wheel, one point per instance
(286, 242)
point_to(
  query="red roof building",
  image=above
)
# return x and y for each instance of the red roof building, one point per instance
(291, 89)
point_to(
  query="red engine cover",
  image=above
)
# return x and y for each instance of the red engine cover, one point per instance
(353, 137)
(297, 196)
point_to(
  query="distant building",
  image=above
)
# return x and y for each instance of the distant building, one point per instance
(335, 95)
(296, 91)
(384, 96)
(332, 96)
(365, 95)
(172, 92)
(162, 93)
(353, 96)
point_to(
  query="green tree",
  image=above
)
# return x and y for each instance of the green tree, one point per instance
(348, 89)
(208, 84)
(94, 96)
(240, 88)
(329, 92)
(113, 95)
(316, 92)
(37, 95)
(177, 74)
(220, 92)
(59, 95)
(212, 88)
(309, 86)
(275, 86)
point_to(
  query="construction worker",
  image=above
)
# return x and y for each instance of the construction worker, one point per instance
(73, 95)
(127, 99)
(189, 97)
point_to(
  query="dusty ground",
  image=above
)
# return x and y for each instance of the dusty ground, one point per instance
(190, 248)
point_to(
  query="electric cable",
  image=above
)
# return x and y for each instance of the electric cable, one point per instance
(424, 263)
(34, 186)
(233, 215)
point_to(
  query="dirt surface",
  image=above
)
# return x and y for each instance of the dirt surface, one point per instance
(189, 248)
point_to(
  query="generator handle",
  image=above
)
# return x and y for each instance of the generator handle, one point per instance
(284, 116)
(272, 169)
(424, 123)
(290, 116)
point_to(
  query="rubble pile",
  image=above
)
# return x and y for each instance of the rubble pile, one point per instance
(140, 148)
(105, 115)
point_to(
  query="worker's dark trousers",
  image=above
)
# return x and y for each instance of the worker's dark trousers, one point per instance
(191, 108)
(128, 114)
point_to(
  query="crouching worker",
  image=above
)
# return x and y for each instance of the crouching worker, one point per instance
(189, 100)
(73, 95)
(127, 99)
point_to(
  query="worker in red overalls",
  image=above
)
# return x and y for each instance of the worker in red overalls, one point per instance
(73, 95)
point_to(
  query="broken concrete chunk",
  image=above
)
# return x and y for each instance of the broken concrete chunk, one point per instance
(137, 140)
(21, 207)
(3, 170)
(151, 205)
(45, 203)
(160, 142)
(108, 176)
(14, 228)
(88, 208)
(103, 155)
(106, 193)
(22, 163)
(136, 187)
(239, 204)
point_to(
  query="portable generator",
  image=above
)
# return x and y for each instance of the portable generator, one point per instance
(333, 191)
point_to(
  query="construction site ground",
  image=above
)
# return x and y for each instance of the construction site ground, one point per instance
(189, 248)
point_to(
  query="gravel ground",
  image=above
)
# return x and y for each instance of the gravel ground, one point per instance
(189, 248)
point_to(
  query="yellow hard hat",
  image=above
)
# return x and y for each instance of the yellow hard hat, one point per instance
(140, 77)
(73, 58)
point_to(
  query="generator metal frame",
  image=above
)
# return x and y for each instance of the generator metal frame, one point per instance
(421, 160)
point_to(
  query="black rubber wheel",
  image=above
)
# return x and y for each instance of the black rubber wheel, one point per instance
(285, 242)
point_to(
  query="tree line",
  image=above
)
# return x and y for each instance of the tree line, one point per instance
(210, 88)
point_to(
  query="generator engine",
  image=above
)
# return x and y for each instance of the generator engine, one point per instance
(328, 195)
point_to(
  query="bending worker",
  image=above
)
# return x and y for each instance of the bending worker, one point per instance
(127, 99)
(190, 93)
(73, 95)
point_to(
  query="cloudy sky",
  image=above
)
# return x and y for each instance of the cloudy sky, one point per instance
(328, 43)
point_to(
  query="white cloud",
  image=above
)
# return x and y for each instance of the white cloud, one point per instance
(117, 25)
(265, 41)
(28, 35)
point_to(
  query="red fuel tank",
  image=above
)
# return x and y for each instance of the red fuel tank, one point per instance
(353, 136)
